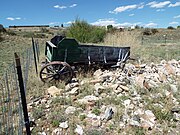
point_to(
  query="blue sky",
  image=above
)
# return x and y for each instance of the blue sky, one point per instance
(147, 13)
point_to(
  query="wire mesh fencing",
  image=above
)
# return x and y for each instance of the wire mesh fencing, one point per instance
(11, 112)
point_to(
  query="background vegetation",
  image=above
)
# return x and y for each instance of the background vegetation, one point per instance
(86, 33)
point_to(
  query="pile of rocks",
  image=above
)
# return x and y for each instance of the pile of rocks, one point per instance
(119, 99)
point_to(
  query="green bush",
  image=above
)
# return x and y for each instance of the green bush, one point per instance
(84, 32)
(154, 31)
(147, 31)
(170, 28)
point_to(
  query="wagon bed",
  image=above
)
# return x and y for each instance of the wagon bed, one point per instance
(62, 52)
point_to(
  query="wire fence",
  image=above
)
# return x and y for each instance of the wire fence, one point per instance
(159, 40)
(11, 114)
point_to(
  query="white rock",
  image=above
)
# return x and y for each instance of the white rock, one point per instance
(70, 110)
(89, 98)
(177, 116)
(92, 115)
(42, 133)
(108, 114)
(148, 119)
(97, 73)
(64, 125)
(125, 88)
(173, 88)
(74, 91)
(79, 130)
(127, 102)
(134, 123)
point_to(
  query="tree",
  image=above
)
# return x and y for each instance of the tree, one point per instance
(137, 27)
(178, 27)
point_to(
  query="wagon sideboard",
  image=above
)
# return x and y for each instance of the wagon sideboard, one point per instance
(70, 51)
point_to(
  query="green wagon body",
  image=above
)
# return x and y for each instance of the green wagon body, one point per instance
(70, 51)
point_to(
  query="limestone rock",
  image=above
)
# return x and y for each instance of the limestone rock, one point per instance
(54, 91)
(70, 110)
(74, 91)
(108, 114)
(89, 98)
(64, 125)
(79, 130)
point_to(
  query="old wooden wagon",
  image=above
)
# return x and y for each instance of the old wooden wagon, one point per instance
(62, 53)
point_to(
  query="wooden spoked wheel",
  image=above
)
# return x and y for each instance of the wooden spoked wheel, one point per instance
(56, 71)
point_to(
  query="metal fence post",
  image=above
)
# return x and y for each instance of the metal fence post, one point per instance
(23, 97)
(35, 62)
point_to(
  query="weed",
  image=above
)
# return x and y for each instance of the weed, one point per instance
(55, 123)
(38, 113)
(82, 117)
(96, 111)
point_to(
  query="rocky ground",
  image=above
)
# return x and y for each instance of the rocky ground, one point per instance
(140, 99)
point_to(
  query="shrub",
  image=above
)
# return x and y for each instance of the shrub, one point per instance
(178, 27)
(170, 27)
(147, 31)
(154, 31)
(10, 32)
(84, 32)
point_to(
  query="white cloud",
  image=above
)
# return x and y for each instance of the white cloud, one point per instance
(128, 7)
(173, 23)
(73, 5)
(54, 23)
(60, 7)
(18, 18)
(175, 17)
(151, 24)
(160, 10)
(12, 19)
(155, 4)
(141, 5)
(131, 14)
(124, 8)
(174, 5)
(111, 21)
(69, 22)
(105, 22)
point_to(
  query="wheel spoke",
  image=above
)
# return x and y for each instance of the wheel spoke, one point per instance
(50, 69)
(65, 72)
(47, 73)
(62, 69)
(47, 77)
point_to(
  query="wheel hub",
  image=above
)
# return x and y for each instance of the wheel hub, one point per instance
(56, 76)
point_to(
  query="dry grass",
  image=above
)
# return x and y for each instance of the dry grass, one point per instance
(125, 38)
(148, 52)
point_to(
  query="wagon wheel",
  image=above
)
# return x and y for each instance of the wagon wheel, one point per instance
(56, 71)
